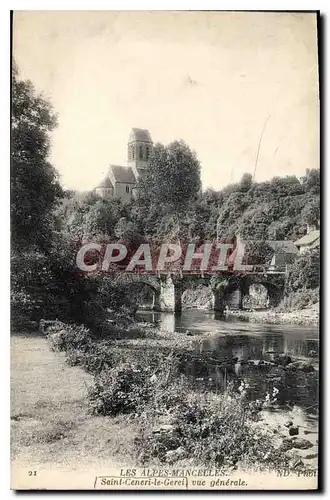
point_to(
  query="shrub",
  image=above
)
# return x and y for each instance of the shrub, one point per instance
(69, 337)
(123, 389)
(299, 299)
(216, 430)
(98, 357)
(56, 340)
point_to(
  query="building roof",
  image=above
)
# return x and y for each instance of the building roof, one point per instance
(139, 134)
(283, 246)
(281, 259)
(106, 183)
(316, 243)
(308, 239)
(123, 174)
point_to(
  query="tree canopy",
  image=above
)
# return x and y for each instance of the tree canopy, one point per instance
(35, 187)
(172, 177)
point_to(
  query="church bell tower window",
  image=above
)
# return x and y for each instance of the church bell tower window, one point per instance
(141, 152)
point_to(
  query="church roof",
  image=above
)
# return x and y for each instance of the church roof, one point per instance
(139, 134)
(106, 183)
(123, 174)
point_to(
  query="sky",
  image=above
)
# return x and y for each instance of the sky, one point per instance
(215, 80)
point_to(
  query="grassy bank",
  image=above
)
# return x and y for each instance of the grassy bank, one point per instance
(51, 425)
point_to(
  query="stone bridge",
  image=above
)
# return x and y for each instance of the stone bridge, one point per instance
(228, 289)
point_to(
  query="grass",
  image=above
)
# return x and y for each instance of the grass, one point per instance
(50, 423)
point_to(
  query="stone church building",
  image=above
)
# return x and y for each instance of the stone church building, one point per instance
(120, 181)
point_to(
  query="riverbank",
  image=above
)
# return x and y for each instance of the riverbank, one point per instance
(147, 420)
(308, 316)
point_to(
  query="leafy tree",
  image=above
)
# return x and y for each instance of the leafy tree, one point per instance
(128, 233)
(172, 177)
(258, 252)
(92, 216)
(305, 271)
(311, 181)
(311, 212)
(35, 188)
(246, 182)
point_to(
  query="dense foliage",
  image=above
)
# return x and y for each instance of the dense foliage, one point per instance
(172, 177)
(34, 181)
(258, 252)
(279, 209)
(305, 271)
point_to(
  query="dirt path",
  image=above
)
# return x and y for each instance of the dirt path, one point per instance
(50, 424)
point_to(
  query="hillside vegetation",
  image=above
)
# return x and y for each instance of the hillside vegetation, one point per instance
(48, 224)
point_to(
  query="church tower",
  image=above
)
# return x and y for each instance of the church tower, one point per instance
(139, 148)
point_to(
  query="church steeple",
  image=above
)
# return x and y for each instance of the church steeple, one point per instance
(139, 148)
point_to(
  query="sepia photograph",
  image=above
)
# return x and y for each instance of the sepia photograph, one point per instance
(165, 250)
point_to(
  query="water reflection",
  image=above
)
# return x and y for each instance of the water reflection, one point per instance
(243, 339)
(246, 342)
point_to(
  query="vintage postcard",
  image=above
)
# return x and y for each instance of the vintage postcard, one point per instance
(165, 250)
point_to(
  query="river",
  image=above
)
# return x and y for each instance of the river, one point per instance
(250, 343)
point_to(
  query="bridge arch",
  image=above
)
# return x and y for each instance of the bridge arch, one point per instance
(239, 287)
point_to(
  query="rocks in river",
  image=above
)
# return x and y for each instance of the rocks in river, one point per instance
(295, 463)
(295, 442)
(282, 359)
(275, 373)
(301, 443)
(164, 428)
(294, 430)
(291, 454)
(310, 456)
(286, 445)
(303, 366)
(174, 455)
(294, 459)
(289, 423)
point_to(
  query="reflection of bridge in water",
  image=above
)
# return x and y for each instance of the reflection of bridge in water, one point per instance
(237, 339)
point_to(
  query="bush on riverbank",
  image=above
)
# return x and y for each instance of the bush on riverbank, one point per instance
(68, 337)
(119, 390)
(300, 299)
(217, 430)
